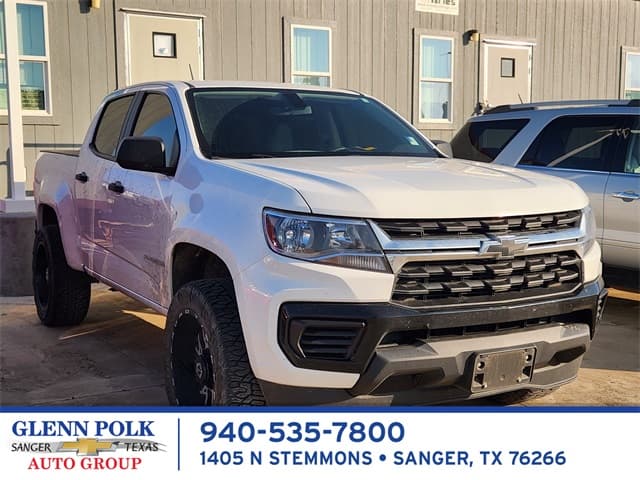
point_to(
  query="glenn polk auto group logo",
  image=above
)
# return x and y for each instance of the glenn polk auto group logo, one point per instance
(84, 445)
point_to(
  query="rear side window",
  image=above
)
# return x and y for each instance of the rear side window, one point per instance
(156, 120)
(576, 142)
(627, 160)
(483, 141)
(109, 127)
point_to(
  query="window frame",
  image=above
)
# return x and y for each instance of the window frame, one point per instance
(310, 73)
(609, 160)
(624, 55)
(465, 129)
(134, 113)
(335, 67)
(123, 129)
(435, 123)
(48, 110)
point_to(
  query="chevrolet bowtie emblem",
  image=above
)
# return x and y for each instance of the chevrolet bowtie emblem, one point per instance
(504, 245)
(87, 446)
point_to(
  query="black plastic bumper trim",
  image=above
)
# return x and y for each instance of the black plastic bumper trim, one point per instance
(381, 319)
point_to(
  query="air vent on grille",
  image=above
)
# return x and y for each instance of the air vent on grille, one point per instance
(330, 342)
(450, 282)
(412, 229)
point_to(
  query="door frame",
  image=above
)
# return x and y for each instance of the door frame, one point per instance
(129, 12)
(510, 42)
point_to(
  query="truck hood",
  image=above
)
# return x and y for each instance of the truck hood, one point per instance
(410, 187)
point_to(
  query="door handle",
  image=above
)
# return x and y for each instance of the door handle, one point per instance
(116, 187)
(82, 177)
(628, 196)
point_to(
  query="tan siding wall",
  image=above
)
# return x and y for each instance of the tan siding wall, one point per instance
(577, 52)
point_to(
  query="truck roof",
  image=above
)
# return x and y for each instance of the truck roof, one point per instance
(184, 84)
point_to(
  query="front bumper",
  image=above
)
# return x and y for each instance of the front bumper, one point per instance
(409, 356)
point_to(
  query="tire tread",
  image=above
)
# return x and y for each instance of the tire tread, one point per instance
(71, 293)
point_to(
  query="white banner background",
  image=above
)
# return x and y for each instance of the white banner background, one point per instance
(594, 443)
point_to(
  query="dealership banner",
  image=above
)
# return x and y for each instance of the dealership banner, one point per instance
(317, 443)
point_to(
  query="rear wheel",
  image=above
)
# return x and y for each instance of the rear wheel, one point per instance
(207, 362)
(61, 294)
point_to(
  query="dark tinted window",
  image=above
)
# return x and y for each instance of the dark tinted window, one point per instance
(108, 130)
(483, 141)
(246, 123)
(156, 120)
(628, 158)
(576, 142)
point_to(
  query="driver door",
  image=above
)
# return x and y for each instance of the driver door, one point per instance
(141, 209)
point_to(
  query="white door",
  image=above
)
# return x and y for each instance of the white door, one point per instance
(162, 47)
(142, 212)
(93, 167)
(506, 73)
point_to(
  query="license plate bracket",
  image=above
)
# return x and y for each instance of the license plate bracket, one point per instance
(501, 369)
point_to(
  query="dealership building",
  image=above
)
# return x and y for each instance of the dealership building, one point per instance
(436, 62)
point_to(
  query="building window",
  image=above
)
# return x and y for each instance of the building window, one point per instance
(33, 55)
(436, 79)
(164, 44)
(311, 55)
(507, 67)
(632, 75)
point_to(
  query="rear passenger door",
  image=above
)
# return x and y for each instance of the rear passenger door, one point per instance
(92, 169)
(621, 240)
(581, 149)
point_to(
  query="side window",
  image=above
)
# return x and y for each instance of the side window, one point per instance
(628, 160)
(631, 74)
(311, 55)
(575, 142)
(156, 120)
(483, 141)
(33, 55)
(107, 133)
(436, 79)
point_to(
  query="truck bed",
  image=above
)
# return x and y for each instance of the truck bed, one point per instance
(68, 152)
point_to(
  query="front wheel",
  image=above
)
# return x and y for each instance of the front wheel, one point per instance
(61, 294)
(207, 362)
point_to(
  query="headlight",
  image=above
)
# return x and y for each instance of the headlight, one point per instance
(589, 228)
(332, 241)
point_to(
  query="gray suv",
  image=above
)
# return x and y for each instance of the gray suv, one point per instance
(595, 143)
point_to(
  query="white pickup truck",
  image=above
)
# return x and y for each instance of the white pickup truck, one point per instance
(309, 246)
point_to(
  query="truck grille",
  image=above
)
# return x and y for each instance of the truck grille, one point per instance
(415, 229)
(428, 283)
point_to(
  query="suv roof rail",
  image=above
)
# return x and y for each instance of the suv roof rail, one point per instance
(564, 103)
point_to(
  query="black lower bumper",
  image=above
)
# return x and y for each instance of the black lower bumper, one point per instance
(409, 356)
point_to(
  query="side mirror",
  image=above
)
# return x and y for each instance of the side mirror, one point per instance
(145, 154)
(444, 147)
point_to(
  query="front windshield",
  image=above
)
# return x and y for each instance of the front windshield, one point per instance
(246, 123)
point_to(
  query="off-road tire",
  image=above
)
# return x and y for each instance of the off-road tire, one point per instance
(207, 362)
(62, 294)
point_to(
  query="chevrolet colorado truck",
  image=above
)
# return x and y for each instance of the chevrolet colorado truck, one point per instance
(309, 246)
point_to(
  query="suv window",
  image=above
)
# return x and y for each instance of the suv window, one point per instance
(628, 161)
(107, 134)
(483, 141)
(156, 120)
(576, 142)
